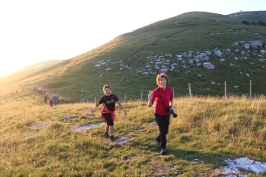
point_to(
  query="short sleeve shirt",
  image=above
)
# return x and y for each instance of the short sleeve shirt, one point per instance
(108, 101)
(162, 99)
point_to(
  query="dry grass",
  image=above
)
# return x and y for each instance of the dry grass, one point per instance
(209, 129)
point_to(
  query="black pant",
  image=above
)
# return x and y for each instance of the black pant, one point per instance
(163, 124)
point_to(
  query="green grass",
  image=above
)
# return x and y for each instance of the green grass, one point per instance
(195, 31)
(208, 131)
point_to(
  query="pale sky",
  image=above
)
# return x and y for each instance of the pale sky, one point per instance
(32, 31)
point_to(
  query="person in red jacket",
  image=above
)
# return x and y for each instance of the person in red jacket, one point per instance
(108, 101)
(163, 97)
(51, 101)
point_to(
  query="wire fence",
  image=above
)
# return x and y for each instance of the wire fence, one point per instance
(142, 95)
(220, 89)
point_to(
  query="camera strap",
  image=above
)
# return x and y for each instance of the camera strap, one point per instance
(161, 96)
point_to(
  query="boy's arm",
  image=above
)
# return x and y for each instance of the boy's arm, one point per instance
(96, 102)
(121, 107)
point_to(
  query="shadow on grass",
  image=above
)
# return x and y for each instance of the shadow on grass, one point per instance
(189, 155)
(204, 157)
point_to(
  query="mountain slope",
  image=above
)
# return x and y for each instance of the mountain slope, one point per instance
(130, 61)
(38, 65)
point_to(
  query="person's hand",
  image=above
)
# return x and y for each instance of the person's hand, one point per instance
(95, 100)
(125, 113)
(150, 95)
(149, 98)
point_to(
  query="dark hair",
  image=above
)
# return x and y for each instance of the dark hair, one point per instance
(159, 77)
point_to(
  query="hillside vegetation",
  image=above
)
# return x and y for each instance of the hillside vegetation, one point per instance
(122, 61)
(211, 127)
(39, 65)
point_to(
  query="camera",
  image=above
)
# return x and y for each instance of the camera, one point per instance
(169, 109)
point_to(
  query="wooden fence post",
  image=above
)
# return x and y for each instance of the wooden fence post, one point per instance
(173, 94)
(225, 95)
(189, 89)
(250, 89)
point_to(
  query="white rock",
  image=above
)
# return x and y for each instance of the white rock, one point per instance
(218, 53)
(163, 70)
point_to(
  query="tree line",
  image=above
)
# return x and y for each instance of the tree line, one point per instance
(254, 23)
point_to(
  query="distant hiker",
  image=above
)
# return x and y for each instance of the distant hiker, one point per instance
(163, 96)
(40, 90)
(108, 110)
(51, 101)
(47, 95)
(45, 98)
(55, 98)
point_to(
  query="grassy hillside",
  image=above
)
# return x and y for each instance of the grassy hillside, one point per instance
(39, 65)
(27, 72)
(129, 62)
(39, 140)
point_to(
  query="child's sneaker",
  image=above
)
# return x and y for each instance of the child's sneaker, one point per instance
(112, 138)
(163, 151)
(106, 135)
